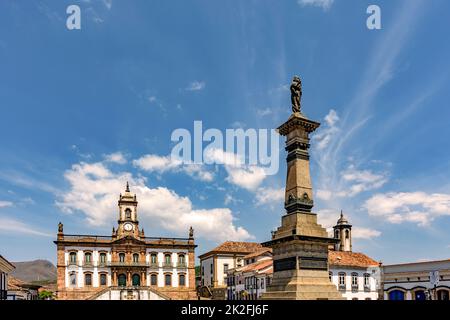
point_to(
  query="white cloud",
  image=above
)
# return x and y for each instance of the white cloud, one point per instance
(269, 196)
(264, 112)
(116, 157)
(364, 233)
(352, 182)
(196, 86)
(8, 225)
(416, 207)
(161, 164)
(94, 190)
(362, 180)
(152, 162)
(324, 137)
(325, 4)
(4, 204)
(245, 176)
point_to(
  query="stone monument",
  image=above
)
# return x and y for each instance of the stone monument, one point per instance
(300, 244)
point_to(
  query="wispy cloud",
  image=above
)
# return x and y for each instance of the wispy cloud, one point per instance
(196, 86)
(4, 204)
(324, 4)
(12, 226)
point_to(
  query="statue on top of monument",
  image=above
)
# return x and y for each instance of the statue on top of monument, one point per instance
(296, 94)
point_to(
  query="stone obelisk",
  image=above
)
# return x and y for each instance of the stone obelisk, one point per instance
(300, 244)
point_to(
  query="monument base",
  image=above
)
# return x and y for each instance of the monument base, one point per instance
(300, 260)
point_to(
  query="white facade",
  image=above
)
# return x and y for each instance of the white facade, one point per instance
(214, 267)
(356, 283)
(411, 281)
(80, 268)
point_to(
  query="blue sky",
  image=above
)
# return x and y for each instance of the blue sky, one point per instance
(83, 111)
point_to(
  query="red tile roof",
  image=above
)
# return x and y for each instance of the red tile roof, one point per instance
(234, 247)
(260, 265)
(258, 253)
(350, 259)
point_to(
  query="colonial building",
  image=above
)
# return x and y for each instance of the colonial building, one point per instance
(250, 281)
(127, 264)
(5, 268)
(214, 265)
(20, 290)
(415, 281)
(357, 276)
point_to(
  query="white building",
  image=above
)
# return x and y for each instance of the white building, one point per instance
(214, 265)
(5, 268)
(250, 281)
(411, 281)
(356, 275)
(127, 264)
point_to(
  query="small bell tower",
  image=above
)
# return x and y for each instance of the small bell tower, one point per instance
(343, 232)
(128, 222)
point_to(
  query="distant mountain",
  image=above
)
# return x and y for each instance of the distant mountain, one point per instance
(35, 271)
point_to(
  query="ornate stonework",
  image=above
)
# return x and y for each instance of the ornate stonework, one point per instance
(300, 244)
(125, 265)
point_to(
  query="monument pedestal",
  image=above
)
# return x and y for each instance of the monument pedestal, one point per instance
(300, 244)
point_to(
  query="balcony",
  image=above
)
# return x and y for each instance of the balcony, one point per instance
(153, 265)
(128, 264)
(88, 264)
(354, 288)
(366, 288)
(167, 265)
(342, 287)
(72, 263)
(102, 264)
(181, 265)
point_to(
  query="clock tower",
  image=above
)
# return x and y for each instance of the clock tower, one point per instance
(128, 223)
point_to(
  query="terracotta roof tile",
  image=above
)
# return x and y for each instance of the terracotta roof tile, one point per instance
(235, 247)
(260, 265)
(258, 252)
(354, 259)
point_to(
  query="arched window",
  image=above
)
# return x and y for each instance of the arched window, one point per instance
(122, 280)
(87, 258)
(136, 280)
(182, 280)
(443, 294)
(121, 257)
(135, 257)
(127, 213)
(153, 258)
(73, 258)
(167, 259)
(347, 234)
(73, 279)
(419, 295)
(336, 234)
(102, 260)
(396, 295)
(153, 280)
(88, 279)
(167, 279)
(182, 260)
(103, 279)
(330, 275)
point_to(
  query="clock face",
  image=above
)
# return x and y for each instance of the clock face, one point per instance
(128, 226)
